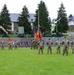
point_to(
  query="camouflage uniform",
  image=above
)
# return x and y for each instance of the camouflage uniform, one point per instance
(72, 46)
(49, 43)
(10, 45)
(15, 44)
(65, 46)
(58, 46)
(40, 46)
(34, 44)
(2, 45)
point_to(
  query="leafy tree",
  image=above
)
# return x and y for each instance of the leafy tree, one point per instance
(23, 20)
(5, 19)
(62, 22)
(42, 17)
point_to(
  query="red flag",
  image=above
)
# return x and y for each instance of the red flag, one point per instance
(10, 39)
(38, 35)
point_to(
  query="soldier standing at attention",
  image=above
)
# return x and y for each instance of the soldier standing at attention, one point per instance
(49, 44)
(72, 46)
(15, 44)
(2, 45)
(40, 46)
(58, 45)
(65, 46)
(10, 45)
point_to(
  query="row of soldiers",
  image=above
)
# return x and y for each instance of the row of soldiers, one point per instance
(39, 44)
(10, 45)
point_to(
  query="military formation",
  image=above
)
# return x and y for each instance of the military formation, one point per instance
(39, 45)
(64, 43)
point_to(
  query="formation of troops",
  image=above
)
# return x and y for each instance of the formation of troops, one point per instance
(39, 44)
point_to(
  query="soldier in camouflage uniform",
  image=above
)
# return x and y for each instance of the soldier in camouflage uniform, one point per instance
(72, 46)
(65, 46)
(58, 42)
(10, 45)
(34, 44)
(40, 46)
(15, 44)
(49, 44)
(2, 45)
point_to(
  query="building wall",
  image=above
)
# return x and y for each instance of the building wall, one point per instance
(71, 27)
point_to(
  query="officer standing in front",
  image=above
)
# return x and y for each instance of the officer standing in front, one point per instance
(49, 44)
(40, 46)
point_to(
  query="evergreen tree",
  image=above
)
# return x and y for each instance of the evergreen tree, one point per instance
(70, 16)
(5, 19)
(23, 20)
(62, 22)
(43, 16)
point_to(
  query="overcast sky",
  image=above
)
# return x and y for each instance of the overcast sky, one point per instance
(15, 6)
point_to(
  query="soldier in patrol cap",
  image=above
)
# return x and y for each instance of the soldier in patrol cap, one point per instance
(2, 45)
(65, 43)
(58, 42)
(40, 46)
(72, 46)
(49, 44)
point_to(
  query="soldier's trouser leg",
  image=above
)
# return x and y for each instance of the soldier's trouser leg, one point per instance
(63, 51)
(72, 51)
(2, 47)
(31, 47)
(38, 51)
(57, 50)
(9, 47)
(66, 51)
(48, 51)
(42, 51)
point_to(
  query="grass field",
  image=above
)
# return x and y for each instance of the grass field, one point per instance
(25, 61)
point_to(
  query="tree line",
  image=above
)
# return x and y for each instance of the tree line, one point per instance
(42, 19)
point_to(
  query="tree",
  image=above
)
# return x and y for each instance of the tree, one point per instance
(5, 19)
(23, 20)
(62, 22)
(42, 16)
(70, 16)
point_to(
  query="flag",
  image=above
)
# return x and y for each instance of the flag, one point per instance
(9, 39)
(38, 35)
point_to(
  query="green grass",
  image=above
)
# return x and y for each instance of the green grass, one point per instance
(25, 61)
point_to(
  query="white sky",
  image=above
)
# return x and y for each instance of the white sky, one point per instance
(15, 6)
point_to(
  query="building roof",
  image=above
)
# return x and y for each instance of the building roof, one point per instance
(14, 17)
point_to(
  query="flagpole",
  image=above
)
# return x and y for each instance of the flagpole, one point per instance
(38, 19)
